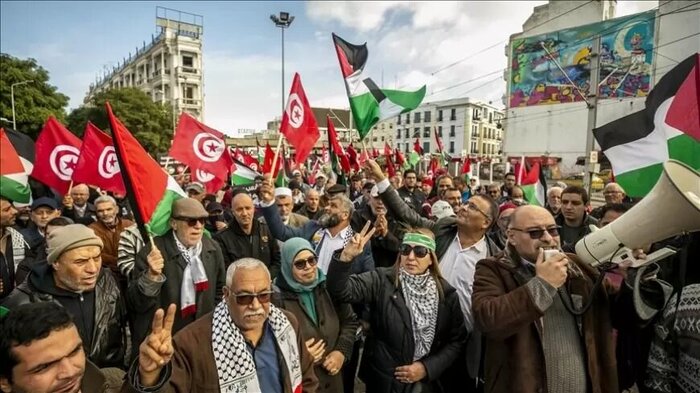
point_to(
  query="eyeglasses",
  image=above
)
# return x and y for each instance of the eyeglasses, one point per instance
(493, 192)
(539, 232)
(301, 263)
(473, 206)
(192, 222)
(418, 251)
(245, 299)
(611, 192)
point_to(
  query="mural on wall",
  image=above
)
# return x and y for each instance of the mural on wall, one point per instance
(626, 62)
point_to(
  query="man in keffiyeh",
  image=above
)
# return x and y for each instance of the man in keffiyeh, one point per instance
(245, 345)
(185, 268)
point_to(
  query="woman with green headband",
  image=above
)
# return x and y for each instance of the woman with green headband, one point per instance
(416, 324)
(328, 327)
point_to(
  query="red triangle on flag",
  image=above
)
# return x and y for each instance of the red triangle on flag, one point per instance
(683, 114)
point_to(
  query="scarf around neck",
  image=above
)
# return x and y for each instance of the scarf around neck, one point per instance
(194, 277)
(234, 363)
(421, 296)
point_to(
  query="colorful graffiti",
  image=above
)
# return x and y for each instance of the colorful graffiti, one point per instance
(554, 68)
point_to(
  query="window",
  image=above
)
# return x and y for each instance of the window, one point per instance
(477, 115)
(452, 130)
(426, 132)
(416, 132)
(475, 131)
(416, 117)
(490, 117)
(426, 147)
(440, 131)
(382, 139)
(187, 61)
(453, 114)
(408, 118)
(398, 134)
(406, 132)
(426, 116)
(407, 147)
(439, 115)
(452, 146)
(473, 145)
(398, 120)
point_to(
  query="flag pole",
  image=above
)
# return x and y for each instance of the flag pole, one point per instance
(520, 170)
(274, 160)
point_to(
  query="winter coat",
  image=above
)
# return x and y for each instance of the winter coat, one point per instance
(337, 324)
(193, 368)
(506, 314)
(390, 343)
(145, 296)
(414, 199)
(110, 238)
(99, 315)
(88, 218)
(236, 244)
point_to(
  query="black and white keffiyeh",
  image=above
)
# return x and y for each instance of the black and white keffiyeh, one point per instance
(194, 277)
(421, 296)
(235, 364)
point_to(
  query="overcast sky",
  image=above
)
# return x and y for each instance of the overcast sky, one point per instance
(410, 44)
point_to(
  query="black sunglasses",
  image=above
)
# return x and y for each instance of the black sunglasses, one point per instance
(192, 221)
(418, 251)
(301, 263)
(246, 299)
(538, 233)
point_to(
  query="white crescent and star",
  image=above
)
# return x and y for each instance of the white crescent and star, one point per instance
(295, 111)
(62, 160)
(107, 164)
(208, 147)
(204, 176)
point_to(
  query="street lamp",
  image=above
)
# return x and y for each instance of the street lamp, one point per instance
(283, 21)
(12, 98)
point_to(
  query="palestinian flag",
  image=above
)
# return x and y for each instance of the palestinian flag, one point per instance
(244, 175)
(369, 103)
(637, 145)
(151, 191)
(14, 180)
(534, 186)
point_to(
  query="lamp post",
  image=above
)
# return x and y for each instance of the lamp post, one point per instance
(283, 21)
(12, 98)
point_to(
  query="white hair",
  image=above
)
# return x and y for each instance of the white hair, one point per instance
(105, 199)
(552, 189)
(244, 263)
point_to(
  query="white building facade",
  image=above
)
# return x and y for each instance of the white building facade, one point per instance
(169, 69)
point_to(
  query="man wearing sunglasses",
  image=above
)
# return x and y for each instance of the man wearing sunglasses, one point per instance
(245, 345)
(518, 303)
(184, 268)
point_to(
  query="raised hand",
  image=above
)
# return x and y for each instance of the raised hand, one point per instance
(157, 349)
(266, 192)
(553, 270)
(155, 262)
(373, 169)
(357, 244)
(381, 226)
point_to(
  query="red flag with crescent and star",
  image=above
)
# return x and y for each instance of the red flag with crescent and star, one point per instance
(200, 147)
(57, 151)
(211, 183)
(97, 163)
(298, 122)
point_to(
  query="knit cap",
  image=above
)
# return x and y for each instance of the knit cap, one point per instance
(72, 236)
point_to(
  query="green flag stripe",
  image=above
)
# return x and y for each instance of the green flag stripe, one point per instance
(159, 225)
(639, 182)
(686, 149)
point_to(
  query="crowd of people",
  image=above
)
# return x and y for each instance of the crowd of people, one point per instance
(403, 284)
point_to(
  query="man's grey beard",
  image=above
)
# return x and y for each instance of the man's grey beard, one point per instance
(329, 220)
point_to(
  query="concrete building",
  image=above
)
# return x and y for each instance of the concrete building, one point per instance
(467, 127)
(548, 72)
(169, 68)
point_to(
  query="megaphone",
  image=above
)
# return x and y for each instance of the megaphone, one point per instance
(671, 208)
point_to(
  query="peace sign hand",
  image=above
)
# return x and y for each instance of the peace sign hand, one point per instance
(357, 244)
(157, 349)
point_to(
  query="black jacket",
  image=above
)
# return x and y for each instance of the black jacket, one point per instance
(569, 241)
(414, 199)
(310, 215)
(384, 249)
(260, 244)
(87, 219)
(144, 296)
(390, 343)
(99, 315)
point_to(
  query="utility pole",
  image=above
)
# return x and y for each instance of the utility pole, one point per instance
(591, 157)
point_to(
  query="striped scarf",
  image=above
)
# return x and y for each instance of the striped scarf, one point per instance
(194, 278)
(421, 296)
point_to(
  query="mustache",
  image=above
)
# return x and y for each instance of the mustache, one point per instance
(254, 313)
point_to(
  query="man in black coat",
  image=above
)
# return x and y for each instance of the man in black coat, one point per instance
(410, 193)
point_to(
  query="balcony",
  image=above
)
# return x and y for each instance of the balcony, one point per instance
(190, 102)
(188, 70)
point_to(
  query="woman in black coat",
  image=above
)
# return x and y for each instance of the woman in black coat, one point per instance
(416, 324)
(328, 327)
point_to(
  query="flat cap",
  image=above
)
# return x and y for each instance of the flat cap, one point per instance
(188, 208)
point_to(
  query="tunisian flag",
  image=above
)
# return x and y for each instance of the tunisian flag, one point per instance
(57, 151)
(97, 164)
(211, 183)
(200, 147)
(298, 121)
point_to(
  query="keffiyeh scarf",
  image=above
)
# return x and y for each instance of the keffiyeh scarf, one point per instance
(421, 296)
(194, 277)
(234, 363)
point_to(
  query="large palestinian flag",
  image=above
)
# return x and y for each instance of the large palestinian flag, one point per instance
(637, 145)
(369, 103)
(151, 191)
(14, 180)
